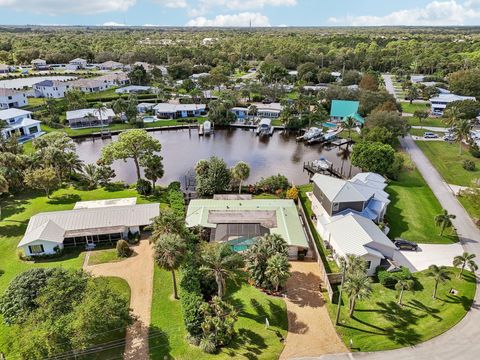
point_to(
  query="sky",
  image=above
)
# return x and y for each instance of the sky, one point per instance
(240, 12)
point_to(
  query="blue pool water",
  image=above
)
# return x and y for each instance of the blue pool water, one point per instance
(329, 124)
(148, 119)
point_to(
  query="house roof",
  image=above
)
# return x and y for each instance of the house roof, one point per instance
(38, 61)
(343, 108)
(81, 113)
(170, 108)
(111, 63)
(78, 60)
(356, 116)
(24, 122)
(355, 235)
(131, 88)
(13, 113)
(79, 222)
(9, 92)
(86, 83)
(51, 83)
(281, 215)
(4, 67)
(450, 98)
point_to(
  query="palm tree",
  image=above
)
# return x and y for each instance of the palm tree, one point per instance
(252, 110)
(348, 124)
(119, 106)
(3, 189)
(101, 109)
(401, 286)
(353, 264)
(90, 174)
(168, 222)
(170, 251)
(452, 115)
(72, 163)
(240, 172)
(278, 270)
(463, 260)
(461, 131)
(444, 220)
(220, 261)
(357, 286)
(439, 274)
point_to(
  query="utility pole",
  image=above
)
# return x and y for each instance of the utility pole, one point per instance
(337, 318)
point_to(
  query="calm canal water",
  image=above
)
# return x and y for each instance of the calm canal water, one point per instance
(181, 149)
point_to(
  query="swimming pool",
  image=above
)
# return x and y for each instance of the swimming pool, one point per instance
(149, 119)
(329, 125)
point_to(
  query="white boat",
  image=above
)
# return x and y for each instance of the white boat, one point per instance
(322, 164)
(264, 127)
(311, 133)
(207, 127)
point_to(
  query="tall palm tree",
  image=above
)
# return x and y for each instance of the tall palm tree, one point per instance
(72, 163)
(452, 115)
(353, 264)
(119, 106)
(461, 131)
(444, 220)
(439, 274)
(357, 286)
(466, 259)
(90, 174)
(252, 110)
(220, 261)
(170, 251)
(241, 172)
(401, 286)
(168, 222)
(278, 270)
(101, 110)
(348, 124)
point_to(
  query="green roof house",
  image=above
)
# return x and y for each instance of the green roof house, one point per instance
(240, 221)
(342, 109)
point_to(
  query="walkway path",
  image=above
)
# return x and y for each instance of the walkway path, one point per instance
(462, 341)
(310, 330)
(138, 272)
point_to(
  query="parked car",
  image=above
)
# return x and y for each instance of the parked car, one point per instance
(430, 135)
(403, 244)
(449, 137)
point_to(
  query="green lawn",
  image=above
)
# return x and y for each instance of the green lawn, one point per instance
(413, 207)
(33, 102)
(472, 207)
(381, 324)
(436, 122)
(411, 108)
(447, 160)
(420, 132)
(102, 256)
(16, 211)
(253, 340)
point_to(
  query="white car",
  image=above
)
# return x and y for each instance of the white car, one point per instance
(430, 135)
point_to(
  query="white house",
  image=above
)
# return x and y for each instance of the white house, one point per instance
(135, 89)
(51, 89)
(4, 69)
(357, 235)
(110, 65)
(440, 102)
(86, 225)
(39, 64)
(20, 122)
(269, 111)
(114, 79)
(144, 107)
(79, 63)
(89, 118)
(174, 111)
(88, 85)
(10, 98)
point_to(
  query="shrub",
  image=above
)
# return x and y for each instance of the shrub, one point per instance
(144, 187)
(475, 152)
(389, 279)
(192, 316)
(292, 193)
(273, 183)
(176, 201)
(123, 250)
(468, 165)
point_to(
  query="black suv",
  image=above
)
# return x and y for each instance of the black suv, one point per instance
(403, 244)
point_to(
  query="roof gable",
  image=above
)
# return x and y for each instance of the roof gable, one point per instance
(343, 108)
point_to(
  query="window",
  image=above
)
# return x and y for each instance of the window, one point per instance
(336, 206)
(36, 249)
(369, 263)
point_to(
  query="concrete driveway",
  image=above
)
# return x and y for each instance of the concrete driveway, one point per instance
(428, 254)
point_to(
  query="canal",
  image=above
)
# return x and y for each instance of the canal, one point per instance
(181, 149)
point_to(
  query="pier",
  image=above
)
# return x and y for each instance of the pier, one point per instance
(312, 170)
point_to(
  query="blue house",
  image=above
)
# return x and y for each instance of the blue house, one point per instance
(241, 113)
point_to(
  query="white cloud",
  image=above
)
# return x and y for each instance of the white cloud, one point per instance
(435, 13)
(56, 7)
(112, 23)
(205, 6)
(150, 25)
(235, 20)
(174, 4)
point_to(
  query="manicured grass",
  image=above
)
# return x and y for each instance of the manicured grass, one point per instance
(102, 256)
(412, 210)
(379, 323)
(420, 132)
(472, 207)
(16, 211)
(277, 122)
(355, 136)
(447, 160)
(431, 121)
(330, 265)
(411, 108)
(253, 340)
(33, 102)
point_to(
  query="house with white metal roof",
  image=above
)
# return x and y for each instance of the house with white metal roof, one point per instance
(234, 218)
(85, 225)
(440, 102)
(357, 235)
(83, 118)
(174, 111)
(110, 65)
(20, 122)
(135, 89)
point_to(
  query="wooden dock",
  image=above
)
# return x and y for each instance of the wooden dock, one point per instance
(340, 142)
(312, 170)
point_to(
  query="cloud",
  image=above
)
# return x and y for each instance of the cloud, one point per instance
(435, 13)
(174, 4)
(235, 20)
(204, 6)
(56, 7)
(112, 23)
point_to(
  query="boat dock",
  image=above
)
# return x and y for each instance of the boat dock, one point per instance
(340, 141)
(313, 169)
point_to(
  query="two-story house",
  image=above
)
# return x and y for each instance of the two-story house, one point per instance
(10, 98)
(52, 89)
(20, 122)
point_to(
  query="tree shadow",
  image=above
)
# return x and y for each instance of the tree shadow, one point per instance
(11, 206)
(64, 199)
(456, 299)
(67, 254)
(304, 289)
(10, 228)
(396, 221)
(251, 342)
(294, 325)
(417, 305)
(159, 344)
(469, 277)
(116, 186)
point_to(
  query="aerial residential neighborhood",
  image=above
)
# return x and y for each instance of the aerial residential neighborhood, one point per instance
(246, 180)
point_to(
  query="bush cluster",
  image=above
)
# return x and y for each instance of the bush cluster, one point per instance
(468, 165)
(389, 279)
(144, 187)
(123, 250)
(176, 199)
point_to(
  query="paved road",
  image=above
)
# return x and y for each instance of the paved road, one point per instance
(462, 341)
(387, 79)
